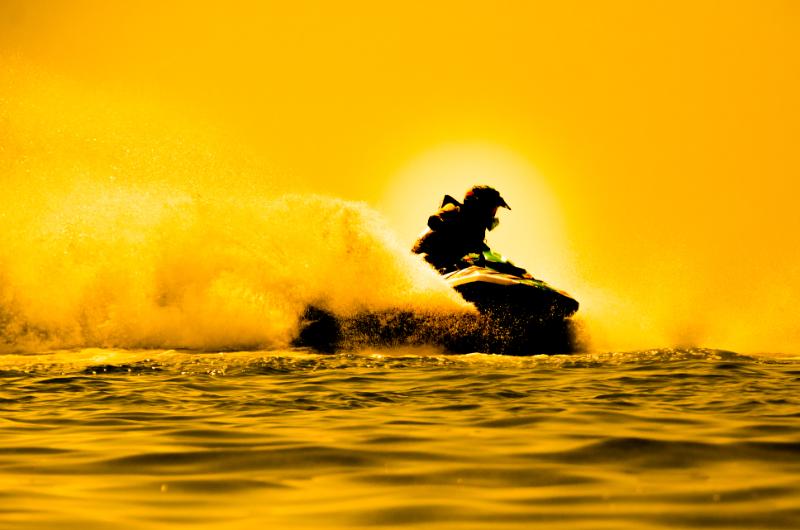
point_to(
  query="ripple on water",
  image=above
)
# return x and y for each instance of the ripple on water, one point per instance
(654, 453)
(656, 439)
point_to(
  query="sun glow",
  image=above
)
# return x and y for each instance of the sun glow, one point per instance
(532, 229)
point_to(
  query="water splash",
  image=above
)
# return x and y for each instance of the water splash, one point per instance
(120, 266)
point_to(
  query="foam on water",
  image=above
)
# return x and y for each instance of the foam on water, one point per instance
(300, 360)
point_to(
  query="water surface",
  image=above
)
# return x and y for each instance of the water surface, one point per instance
(399, 438)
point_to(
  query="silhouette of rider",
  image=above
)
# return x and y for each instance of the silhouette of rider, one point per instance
(457, 230)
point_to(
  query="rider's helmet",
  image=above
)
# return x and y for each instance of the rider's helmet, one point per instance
(484, 197)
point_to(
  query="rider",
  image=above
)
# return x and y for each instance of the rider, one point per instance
(457, 230)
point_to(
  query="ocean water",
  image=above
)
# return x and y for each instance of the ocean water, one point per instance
(413, 438)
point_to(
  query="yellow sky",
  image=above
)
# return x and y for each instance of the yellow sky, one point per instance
(647, 148)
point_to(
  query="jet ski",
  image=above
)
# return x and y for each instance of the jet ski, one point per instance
(517, 315)
(484, 283)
